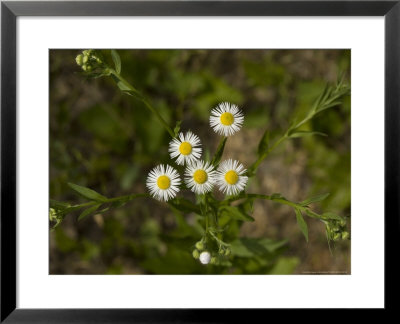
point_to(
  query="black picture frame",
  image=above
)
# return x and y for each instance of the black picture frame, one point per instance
(11, 10)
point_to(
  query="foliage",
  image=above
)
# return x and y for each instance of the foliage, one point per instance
(216, 222)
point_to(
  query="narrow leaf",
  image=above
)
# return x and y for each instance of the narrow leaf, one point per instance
(220, 151)
(314, 199)
(235, 213)
(251, 247)
(302, 223)
(87, 193)
(184, 206)
(305, 133)
(88, 211)
(177, 127)
(125, 88)
(264, 143)
(116, 60)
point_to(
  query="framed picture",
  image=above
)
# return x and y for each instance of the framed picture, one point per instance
(135, 180)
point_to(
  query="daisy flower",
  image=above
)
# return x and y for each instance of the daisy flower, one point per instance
(226, 119)
(230, 178)
(163, 182)
(200, 177)
(186, 148)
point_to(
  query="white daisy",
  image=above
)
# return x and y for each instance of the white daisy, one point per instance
(226, 119)
(186, 148)
(163, 182)
(230, 178)
(200, 177)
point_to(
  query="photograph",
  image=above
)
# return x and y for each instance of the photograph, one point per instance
(199, 161)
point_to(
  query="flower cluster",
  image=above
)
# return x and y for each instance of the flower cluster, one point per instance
(55, 217)
(336, 230)
(201, 252)
(89, 60)
(200, 176)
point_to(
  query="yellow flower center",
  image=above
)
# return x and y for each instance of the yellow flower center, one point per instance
(200, 176)
(227, 119)
(163, 182)
(185, 148)
(231, 177)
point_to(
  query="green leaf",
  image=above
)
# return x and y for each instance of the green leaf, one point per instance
(220, 151)
(305, 133)
(250, 247)
(177, 127)
(124, 87)
(284, 265)
(247, 206)
(87, 193)
(88, 211)
(240, 250)
(184, 205)
(272, 245)
(302, 223)
(235, 213)
(264, 143)
(117, 61)
(314, 199)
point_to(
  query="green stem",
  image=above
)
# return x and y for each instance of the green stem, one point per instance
(253, 168)
(144, 101)
(329, 98)
(125, 198)
(216, 238)
(282, 201)
(205, 214)
(212, 209)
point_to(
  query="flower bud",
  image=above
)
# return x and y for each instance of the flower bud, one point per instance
(345, 235)
(336, 236)
(79, 59)
(195, 254)
(200, 245)
(213, 260)
(87, 67)
(228, 252)
(85, 59)
(342, 223)
(53, 214)
(205, 257)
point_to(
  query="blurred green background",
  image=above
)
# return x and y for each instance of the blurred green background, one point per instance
(108, 141)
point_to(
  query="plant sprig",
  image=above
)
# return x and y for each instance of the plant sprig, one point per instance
(237, 208)
(94, 65)
(331, 96)
(97, 203)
